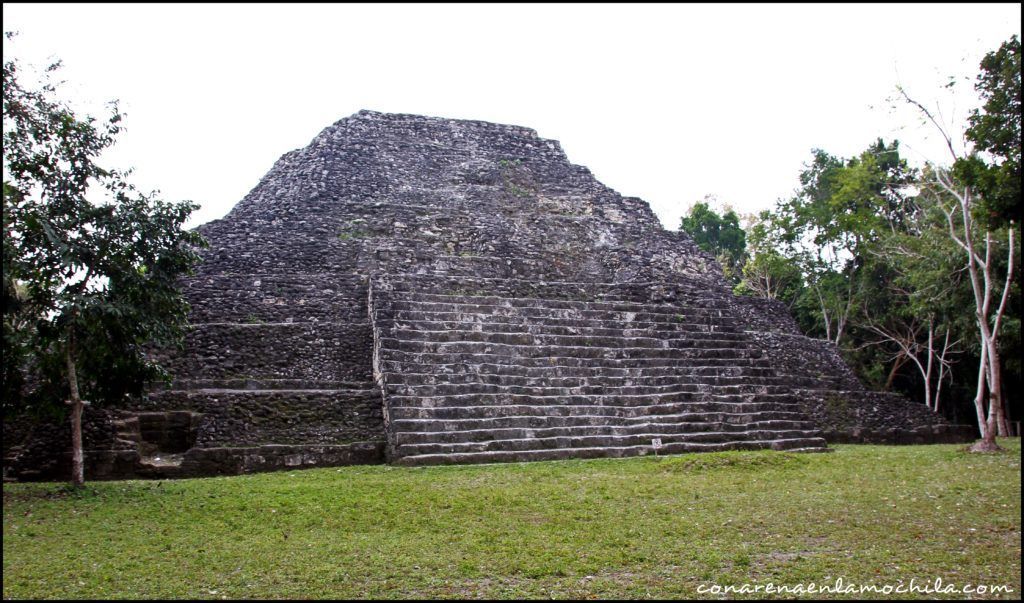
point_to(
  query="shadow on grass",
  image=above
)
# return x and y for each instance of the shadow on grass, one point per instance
(50, 491)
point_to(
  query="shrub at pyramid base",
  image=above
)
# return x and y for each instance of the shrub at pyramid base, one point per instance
(418, 290)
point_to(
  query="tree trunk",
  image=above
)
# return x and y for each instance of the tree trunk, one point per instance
(77, 406)
(931, 361)
(989, 435)
(896, 366)
(988, 425)
(987, 440)
(995, 386)
(1002, 418)
(942, 370)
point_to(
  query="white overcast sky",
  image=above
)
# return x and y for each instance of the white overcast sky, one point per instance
(664, 102)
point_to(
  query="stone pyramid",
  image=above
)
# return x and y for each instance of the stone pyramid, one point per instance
(421, 290)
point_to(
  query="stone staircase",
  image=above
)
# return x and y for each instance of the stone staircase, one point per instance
(469, 377)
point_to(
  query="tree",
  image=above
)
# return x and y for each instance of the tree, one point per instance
(925, 285)
(888, 258)
(87, 283)
(920, 333)
(841, 211)
(995, 129)
(979, 201)
(719, 235)
(766, 272)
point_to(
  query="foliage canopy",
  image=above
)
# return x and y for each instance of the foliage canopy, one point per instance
(89, 264)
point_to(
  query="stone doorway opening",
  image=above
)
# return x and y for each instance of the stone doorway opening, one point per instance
(164, 437)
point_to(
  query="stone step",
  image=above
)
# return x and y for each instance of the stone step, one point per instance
(675, 340)
(524, 349)
(577, 377)
(398, 361)
(783, 418)
(625, 312)
(667, 316)
(687, 291)
(434, 369)
(585, 299)
(556, 318)
(515, 265)
(619, 389)
(479, 411)
(505, 456)
(594, 328)
(572, 377)
(503, 398)
(636, 428)
(591, 441)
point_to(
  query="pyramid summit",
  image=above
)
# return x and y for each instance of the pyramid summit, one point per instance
(494, 183)
(421, 290)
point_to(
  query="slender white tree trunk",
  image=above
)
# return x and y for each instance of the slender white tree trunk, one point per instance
(928, 371)
(824, 314)
(990, 366)
(995, 387)
(77, 406)
(979, 396)
(942, 370)
(980, 270)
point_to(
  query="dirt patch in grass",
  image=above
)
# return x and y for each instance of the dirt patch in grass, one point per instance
(731, 460)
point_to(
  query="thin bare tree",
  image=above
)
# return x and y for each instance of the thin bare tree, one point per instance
(957, 203)
(932, 361)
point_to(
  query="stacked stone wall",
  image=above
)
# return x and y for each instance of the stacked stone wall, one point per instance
(765, 315)
(830, 392)
(867, 417)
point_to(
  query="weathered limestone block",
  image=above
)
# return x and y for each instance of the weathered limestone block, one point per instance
(254, 417)
(310, 351)
(276, 298)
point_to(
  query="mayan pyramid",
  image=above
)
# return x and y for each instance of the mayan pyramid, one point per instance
(420, 290)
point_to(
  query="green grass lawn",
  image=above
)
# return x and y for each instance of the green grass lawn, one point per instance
(630, 528)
